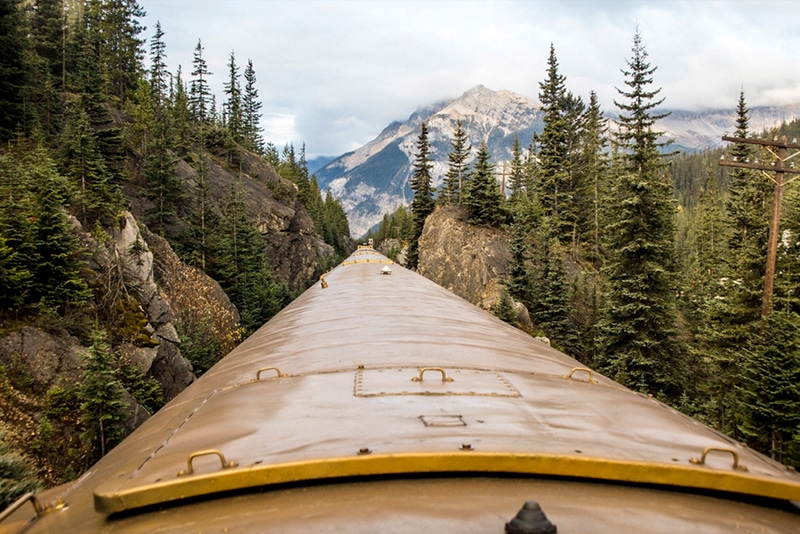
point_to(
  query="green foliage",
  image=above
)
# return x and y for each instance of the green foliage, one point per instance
(252, 139)
(505, 310)
(12, 66)
(103, 409)
(551, 308)
(145, 389)
(457, 171)
(17, 477)
(482, 198)
(769, 391)
(422, 205)
(242, 269)
(200, 346)
(200, 94)
(556, 180)
(397, 226)
(638, 343)
(42, 254)
(84, 165)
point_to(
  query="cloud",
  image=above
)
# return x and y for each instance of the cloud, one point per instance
(345, 69)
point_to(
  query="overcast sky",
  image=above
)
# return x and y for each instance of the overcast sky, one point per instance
(334, 73)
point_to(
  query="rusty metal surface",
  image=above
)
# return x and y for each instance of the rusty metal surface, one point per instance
(346, 399)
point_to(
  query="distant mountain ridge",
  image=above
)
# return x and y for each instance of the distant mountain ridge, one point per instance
(373, 180)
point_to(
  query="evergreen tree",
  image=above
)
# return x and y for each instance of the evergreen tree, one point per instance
(749, 197)
(44, 67)
(552, 170)
(483, 199)
(517, 178)
(121, 47)
(335, 228)
(103, 409)
(12, 67)
(732, 322)
(180, 115)
(769, 389)
(423, 203)
(251, 112)
(551, 307)
(526, 217)
(457, 171)
(242, 268)
(89, 79)
(504, 309)
(200, 93)
(82, 162)
(592, 168)
(638, 336)
(56, 268)
(162, 186)
(158, 69)
(233, 105)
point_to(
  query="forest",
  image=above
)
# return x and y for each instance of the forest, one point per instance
(94, 123)
(645, 264)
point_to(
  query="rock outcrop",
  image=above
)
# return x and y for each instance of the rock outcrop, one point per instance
(468, 260)
(127, 262)
(294, 249)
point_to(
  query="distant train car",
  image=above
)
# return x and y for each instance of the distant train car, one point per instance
(380, 402)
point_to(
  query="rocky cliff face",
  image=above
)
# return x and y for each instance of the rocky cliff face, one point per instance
(130, 262)
(294, 249)
(468, 260)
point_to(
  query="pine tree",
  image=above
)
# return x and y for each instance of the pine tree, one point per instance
(121, 47)
(103, 409)
(504, 309)
(517, 178)
(749, 198)
(592, 168)
(158, 69)
(732, 322)
(162, 186)
(82, 162)
(88, 77)
(233, 105)
(180, 115)
(251, 112)
(638, 336)
(456, 176)
(552, 170)
(423, 203)
(483, 200)
(44, 65)
(200, 93)
(769, 388)
(12, 67)
(526, 217)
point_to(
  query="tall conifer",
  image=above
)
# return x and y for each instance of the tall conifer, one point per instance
(483, 199)
(638, 331)
(233, 105)
(455, 178)
(200, 93)
(420, 183)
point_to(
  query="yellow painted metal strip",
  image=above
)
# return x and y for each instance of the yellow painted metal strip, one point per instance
(110, 498)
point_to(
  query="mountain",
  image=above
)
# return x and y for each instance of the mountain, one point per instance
(373, 180)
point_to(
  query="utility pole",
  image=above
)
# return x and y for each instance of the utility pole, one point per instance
(779, 150)
(503, 173)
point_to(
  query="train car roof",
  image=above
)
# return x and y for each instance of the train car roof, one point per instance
(381, 373)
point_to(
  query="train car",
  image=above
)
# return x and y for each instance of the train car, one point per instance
(381, 402)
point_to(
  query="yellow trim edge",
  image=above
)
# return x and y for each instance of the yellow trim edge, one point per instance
(109, 497)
